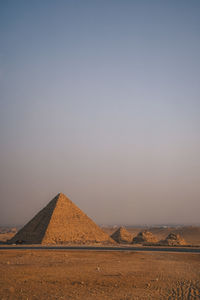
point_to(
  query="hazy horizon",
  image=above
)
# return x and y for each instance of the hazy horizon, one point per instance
(100, 100)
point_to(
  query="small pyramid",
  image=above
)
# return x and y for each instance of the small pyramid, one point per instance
(121, 235)
(173, 239)
(61, 222)
(144, 237)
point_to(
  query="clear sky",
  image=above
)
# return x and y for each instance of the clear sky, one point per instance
(100, 100)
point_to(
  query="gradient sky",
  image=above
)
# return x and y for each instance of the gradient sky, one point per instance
(100, 100)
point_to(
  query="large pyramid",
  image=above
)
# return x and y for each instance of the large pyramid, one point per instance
(61, 222)
(121, 235)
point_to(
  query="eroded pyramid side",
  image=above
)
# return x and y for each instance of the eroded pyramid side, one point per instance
(145, 237)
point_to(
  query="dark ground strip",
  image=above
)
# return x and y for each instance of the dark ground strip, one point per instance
(93, 248)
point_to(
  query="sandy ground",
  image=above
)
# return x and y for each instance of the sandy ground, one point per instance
(60, 274)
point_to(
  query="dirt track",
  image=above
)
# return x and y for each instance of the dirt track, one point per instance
(48, 274)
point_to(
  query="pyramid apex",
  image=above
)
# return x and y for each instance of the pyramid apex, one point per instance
(60, 195)
(122, 227)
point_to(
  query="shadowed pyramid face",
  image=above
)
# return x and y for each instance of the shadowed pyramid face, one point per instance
(61, 222)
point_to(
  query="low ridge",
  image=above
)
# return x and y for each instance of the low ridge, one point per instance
(61, 222)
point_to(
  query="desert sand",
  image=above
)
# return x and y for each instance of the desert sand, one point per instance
(48, 274)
